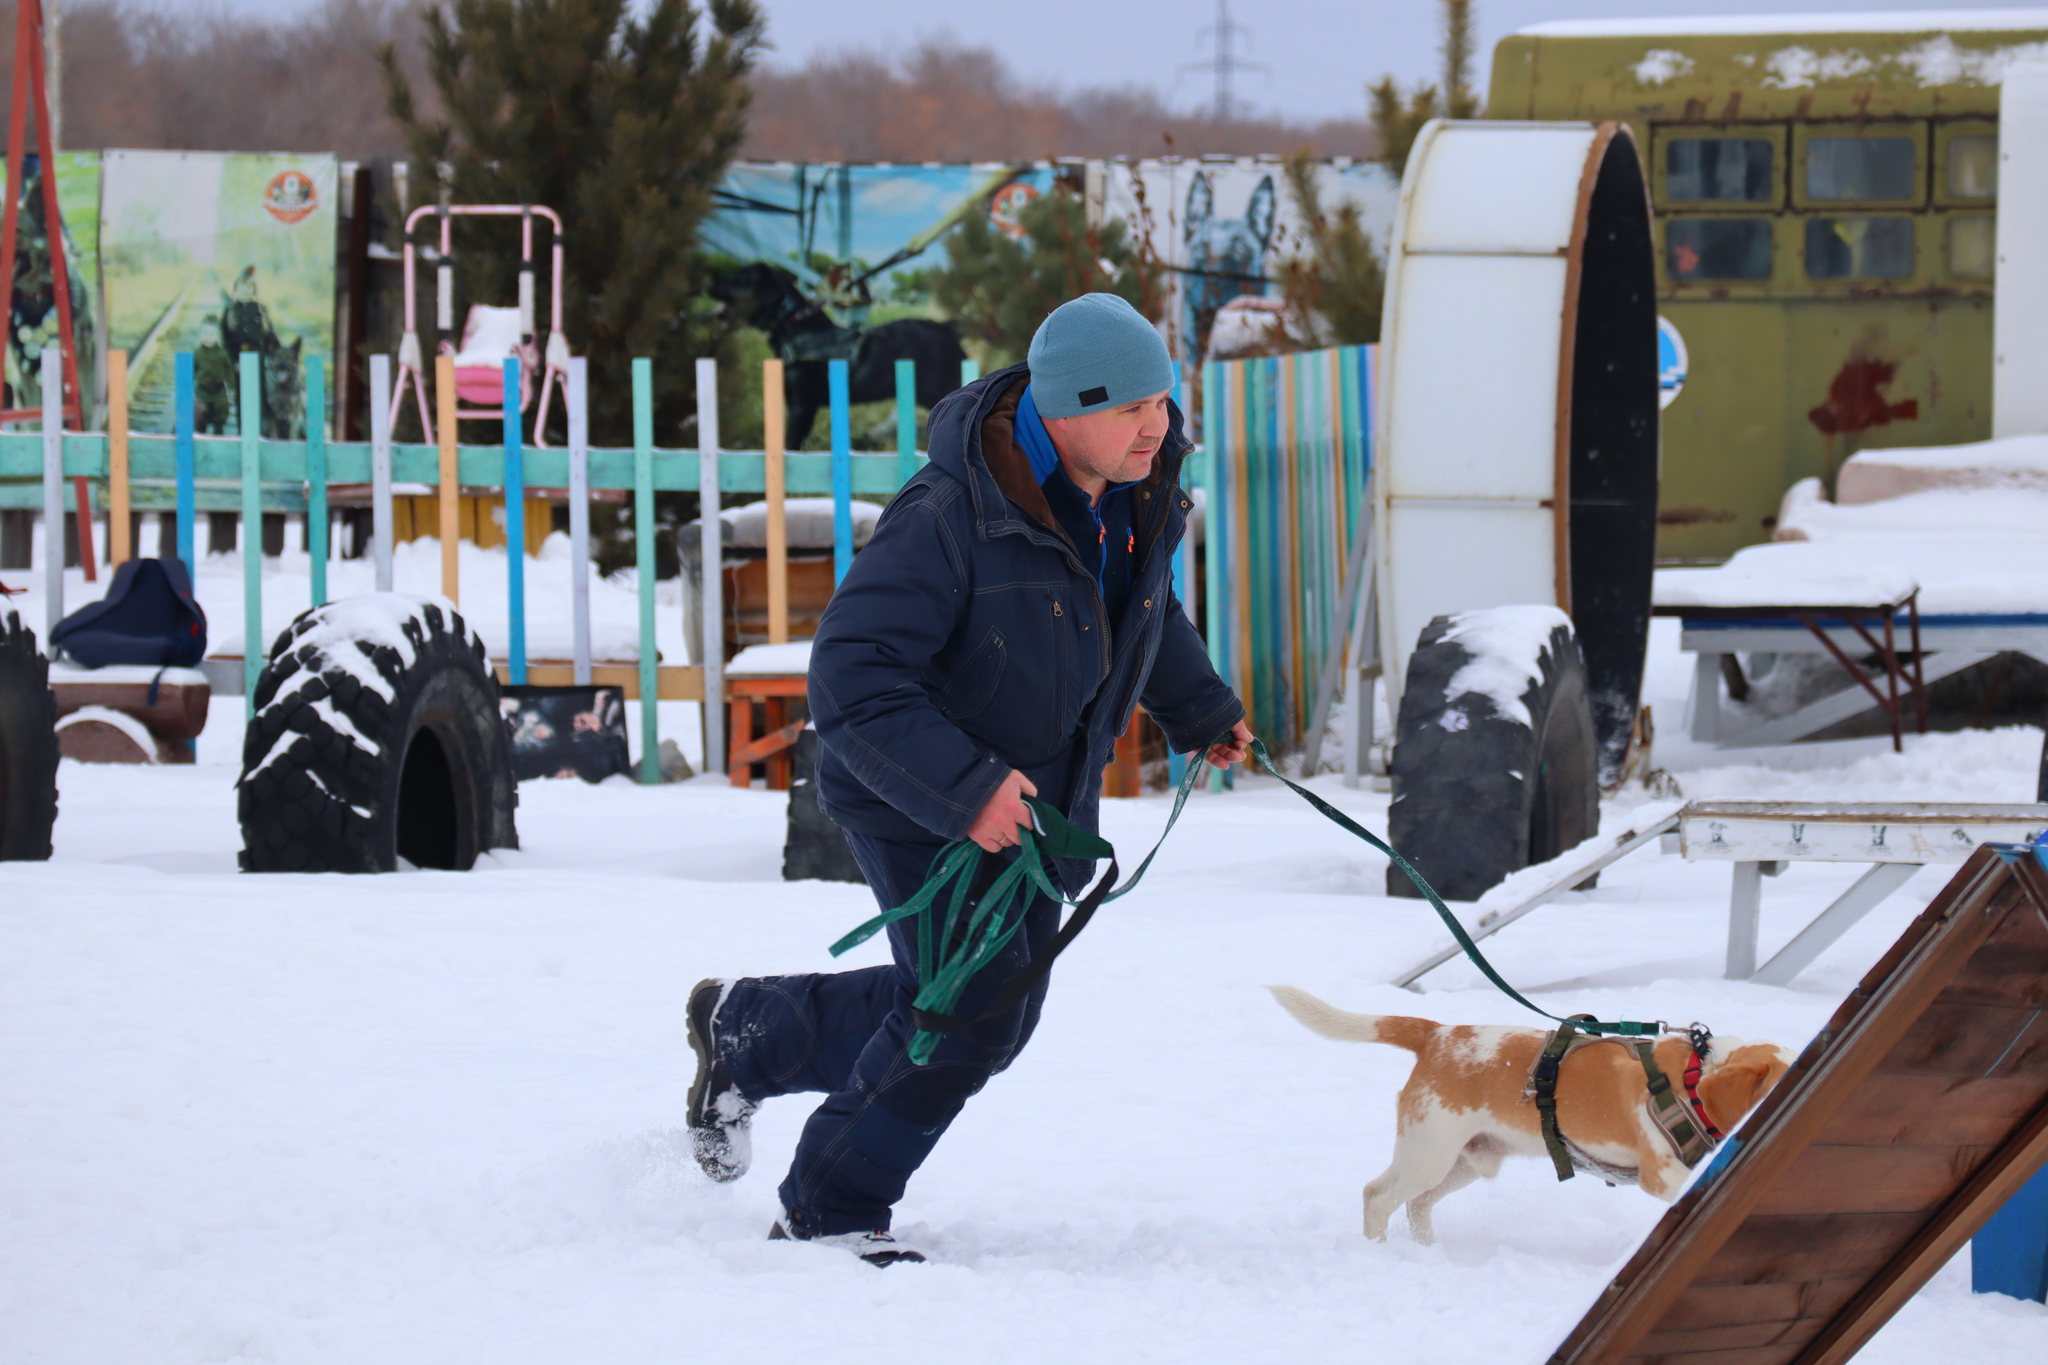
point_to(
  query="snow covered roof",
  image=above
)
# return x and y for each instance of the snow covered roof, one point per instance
(1761, 25)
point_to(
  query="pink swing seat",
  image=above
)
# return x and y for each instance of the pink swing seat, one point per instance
(490, 337)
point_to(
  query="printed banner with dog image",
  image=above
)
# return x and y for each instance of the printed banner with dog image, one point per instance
(1222, 228)
(218, 253)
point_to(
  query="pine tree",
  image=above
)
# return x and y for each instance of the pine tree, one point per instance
(624, 124)
(1398, 119)
(998, 288)
(1336, 285)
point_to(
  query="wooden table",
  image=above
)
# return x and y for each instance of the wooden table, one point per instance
(772, 749)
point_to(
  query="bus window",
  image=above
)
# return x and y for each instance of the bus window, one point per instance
(1859, 248)
(1718, 249)
(1726, 169)
(1859, 168)
(1971, 248)
(1973, 166)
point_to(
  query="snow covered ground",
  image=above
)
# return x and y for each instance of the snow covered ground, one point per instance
(434, 1117)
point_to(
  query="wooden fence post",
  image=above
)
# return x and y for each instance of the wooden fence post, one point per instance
(250, 420)
(318, 533)
(451, 479)
(773, 435)
(120, 545)
(643, 554)
(515, 530)
(842, 471)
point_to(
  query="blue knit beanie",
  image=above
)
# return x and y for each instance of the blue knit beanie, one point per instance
(1095, 353)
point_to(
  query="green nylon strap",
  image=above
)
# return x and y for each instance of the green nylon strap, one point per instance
(957, 942)
(1543, 1086)
(970, 936)
(1337, 817)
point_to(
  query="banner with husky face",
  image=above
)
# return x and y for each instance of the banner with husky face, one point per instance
(219, 254)
(1222, 227)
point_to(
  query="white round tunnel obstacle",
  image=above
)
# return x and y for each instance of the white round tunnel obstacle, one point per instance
(1517, 442)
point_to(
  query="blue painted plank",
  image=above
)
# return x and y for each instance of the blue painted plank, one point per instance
(515, 530)
(842, 472)
(181, 405)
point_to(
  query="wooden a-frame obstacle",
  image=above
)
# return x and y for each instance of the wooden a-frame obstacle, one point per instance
(1917, 1111)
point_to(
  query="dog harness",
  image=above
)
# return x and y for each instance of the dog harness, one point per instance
(1691, 1137)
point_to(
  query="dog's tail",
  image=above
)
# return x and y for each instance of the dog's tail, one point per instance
(1321, 1017)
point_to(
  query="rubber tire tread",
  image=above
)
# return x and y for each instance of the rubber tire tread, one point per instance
(28, 746)
(326, 804)
(815, 848)
(1487, 796)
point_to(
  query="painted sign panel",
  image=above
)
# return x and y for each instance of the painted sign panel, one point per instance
(219, 254)
(34, 315)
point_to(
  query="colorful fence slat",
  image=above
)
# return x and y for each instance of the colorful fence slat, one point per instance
(1289, 449)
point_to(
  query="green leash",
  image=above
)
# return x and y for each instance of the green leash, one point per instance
(959, 933)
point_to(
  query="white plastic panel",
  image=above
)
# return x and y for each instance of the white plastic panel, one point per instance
(1451, 559)
(1466, 457)
(1499, 187)
(2019, 321)
(1474, 389)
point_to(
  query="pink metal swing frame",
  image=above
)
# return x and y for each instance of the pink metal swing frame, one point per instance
(411, 359)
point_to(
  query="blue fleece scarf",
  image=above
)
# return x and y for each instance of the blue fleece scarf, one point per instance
(1036, 440)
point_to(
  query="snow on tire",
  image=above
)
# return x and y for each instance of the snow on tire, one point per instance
(377, 737)
(1495, 763)
(28, 746)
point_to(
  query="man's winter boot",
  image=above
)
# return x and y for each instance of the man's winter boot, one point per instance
(720, 1117)
(877, 1248)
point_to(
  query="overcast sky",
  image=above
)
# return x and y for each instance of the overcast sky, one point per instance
(1322, 52)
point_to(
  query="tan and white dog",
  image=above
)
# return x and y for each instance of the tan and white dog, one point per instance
(1465, 1107)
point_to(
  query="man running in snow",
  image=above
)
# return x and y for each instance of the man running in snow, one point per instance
(988, 644)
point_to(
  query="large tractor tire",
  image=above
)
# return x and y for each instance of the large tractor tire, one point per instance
(814, 849)
(377, 738)
(28, 746)
(1495, 763)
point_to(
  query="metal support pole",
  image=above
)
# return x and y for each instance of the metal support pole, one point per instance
(380, 469)
(711, 527)
(1706, 698)
(579, 516)
(1745, 907)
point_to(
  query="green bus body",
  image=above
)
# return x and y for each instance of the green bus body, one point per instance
(1824, 204)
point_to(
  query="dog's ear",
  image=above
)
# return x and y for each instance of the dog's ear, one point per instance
(1734, 1088)
(1258, 215)
(1201, 207)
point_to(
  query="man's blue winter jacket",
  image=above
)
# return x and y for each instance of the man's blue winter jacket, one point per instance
(969, 638)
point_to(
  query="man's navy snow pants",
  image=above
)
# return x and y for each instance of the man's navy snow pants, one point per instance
(848, 1034)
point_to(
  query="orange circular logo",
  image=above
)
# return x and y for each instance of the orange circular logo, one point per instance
(290, 196)
(1006, 209)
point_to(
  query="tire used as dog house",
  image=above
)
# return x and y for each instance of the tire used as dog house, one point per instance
(28, 746)
(1495, 763)
(377, 737)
